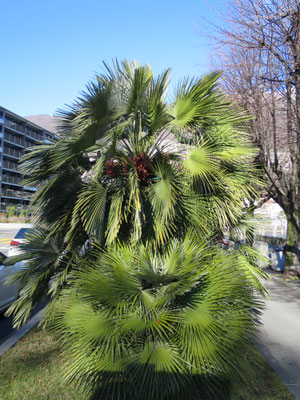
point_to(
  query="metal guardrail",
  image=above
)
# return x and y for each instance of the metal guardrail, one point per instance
(11, 165)
(14, 125)
(12, 152)
(14, 139)
(17, 194)
(12, 179)
(22, 129)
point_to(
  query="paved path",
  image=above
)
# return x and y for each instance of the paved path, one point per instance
(280, 333)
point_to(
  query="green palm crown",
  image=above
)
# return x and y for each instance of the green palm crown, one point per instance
(132, 166)
(130, 203)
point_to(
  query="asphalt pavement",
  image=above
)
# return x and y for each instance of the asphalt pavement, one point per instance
(6, 328)
(5, 238)
(7, 232)
(279, 340)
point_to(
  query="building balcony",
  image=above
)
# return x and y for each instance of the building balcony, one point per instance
(12, 153)
(34, 135)
(15, 142)
(12, 170)
(12, 181)
(14, 126)
(16, 194)
(11, 165)
(5, 196)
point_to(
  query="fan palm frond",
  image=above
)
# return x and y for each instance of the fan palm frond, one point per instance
(123, 120)
(44, 257)
(141, 323)
(122, 173)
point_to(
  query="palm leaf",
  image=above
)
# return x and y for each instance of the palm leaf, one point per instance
(185, 330)
(91, 205)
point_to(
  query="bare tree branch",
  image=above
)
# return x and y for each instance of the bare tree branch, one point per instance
(259, 50)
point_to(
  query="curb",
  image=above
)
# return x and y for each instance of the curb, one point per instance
(17, 335)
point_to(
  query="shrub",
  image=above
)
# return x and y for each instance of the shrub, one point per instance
(24, 213)
(11, 211)
(141, 325)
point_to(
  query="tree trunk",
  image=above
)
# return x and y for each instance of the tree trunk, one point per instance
(292, 248)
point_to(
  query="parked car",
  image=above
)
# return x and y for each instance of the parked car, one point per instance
(19, 238)
(8, 294)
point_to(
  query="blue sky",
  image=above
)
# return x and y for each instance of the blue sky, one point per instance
(52, 48)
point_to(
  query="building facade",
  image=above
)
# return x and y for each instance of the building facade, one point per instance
(16, 135)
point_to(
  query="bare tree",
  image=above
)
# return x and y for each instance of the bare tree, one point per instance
(259, 51)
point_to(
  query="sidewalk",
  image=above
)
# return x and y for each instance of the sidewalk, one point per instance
(279, 340)
(11, 226)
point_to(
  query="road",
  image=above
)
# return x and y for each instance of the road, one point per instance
(279, 340)
(6, 329)
(7, 232)
(5, 238)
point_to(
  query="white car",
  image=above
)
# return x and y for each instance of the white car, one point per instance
(19, 238)
(8, 294)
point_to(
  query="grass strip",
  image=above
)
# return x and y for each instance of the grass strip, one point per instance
(33, 369)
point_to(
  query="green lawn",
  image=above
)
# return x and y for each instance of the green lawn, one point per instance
(33, 370)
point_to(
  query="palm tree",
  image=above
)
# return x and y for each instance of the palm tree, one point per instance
(131, 166)
(140, 324)
(145, 309)
(119, 169)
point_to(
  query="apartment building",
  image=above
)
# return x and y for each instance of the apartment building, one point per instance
(16, 135)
